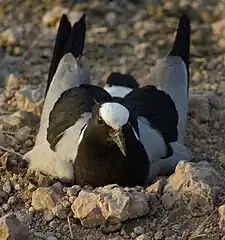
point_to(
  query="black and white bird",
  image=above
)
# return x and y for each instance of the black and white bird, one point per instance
(119, 85)
(90, 136)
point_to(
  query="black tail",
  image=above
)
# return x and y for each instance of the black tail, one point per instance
(67, 41)
(181, 46)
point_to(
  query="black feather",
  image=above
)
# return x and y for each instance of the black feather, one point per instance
(181, 46)
(69, 108)
(61, 38)
(157, 107)
(67, 41)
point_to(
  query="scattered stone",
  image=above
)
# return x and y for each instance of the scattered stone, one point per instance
(17, 187)
(39, 235)
(12, 228)
(218, 28)
(157, 187)
(73, 191)
(139, 230)
(110, 228)
(12, 82)
(57, 186)
(7, 187)
(48, 215)
(52, 238)
(11, 200)
(158, 235)
(110, 203)
(194, 185)
(44, 198)
(60, 211)
(142, 237)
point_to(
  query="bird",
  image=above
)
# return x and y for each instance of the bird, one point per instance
(91, 136)
(119, 85)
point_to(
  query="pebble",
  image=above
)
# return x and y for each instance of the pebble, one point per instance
(48, 216)
(7, 187)
(11, 200)
(17, 187)
(142, 237)
(39, 235)
(139, 230)
(57, 186)
(73, 191)
(158, 235)
(6, 207)
(52, 238)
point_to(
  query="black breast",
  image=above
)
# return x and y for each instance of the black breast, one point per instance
(99, 164)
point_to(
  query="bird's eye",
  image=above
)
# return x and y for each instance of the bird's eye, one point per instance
(101, 122)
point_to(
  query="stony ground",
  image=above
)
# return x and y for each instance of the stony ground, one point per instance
(126, 36)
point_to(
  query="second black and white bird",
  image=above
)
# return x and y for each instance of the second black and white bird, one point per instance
(90, 136)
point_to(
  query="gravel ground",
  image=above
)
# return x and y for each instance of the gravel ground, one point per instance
(126, 36)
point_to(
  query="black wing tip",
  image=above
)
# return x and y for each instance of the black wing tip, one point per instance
(76, 41)
(181, 44)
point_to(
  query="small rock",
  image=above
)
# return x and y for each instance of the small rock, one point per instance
(142, 237)
(51, 17)
(8, 37)
(17, 187)
(60, 211)
(44, 198)
(139, 230)
(11, 200)
(23, 133)
(52, 238)
(7, 187)
(221, 212)
(6, 207)
(110, 228)
(48, 216)
(111, 18)
(85, 208)
(57, 186)
(73, 191)
(39, 235)
(218, 28)
(157, 187)
(158, 235)
(12, 228)
(12, 82)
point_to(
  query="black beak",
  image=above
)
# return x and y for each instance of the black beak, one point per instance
(118, 138)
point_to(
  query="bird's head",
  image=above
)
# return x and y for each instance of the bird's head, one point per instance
(109, 121)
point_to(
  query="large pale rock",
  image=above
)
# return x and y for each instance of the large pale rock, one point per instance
(12, 228)
(44, 198)
(193, 185)
(218, 28)
(86, 209)
(110, 203)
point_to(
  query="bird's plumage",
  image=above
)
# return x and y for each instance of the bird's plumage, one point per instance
(82, 133)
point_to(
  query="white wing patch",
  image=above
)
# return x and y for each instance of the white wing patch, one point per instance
(114, 114)
(117, 91)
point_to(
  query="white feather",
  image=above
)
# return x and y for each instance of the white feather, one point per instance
(114, 114)
(151, 139)
(167, 166)
(117, 91)
(171, 77)
(70, 73)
